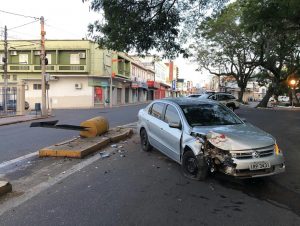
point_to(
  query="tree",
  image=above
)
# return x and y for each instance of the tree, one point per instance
(274, 26)
(223, 48)
(144, 25)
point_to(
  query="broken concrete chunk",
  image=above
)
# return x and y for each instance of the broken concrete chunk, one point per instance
(104, 154)
(5, 187)
(114, 146)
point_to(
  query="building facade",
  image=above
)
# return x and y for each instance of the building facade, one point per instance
(79, 74)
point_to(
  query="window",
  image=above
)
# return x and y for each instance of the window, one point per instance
(157, 110)
(74, 58)
(48, 56)
(213, 97)
(23, 58)
(230, 97)
(1, 58)
(171, 115)
(14, 77)
(222, 97)
(37, 86)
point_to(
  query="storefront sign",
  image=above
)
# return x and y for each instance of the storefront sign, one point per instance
(174, 85)
(98, 82)
(153, 84)
(134, 85)
(143, 85)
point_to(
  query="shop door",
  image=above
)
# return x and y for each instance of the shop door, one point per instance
(126, 95)
(98, 97)
(119, 95)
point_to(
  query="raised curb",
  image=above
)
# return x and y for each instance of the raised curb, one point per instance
(5, 187)
(81, 147)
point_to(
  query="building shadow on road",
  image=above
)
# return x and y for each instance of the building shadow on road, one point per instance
(265, 189)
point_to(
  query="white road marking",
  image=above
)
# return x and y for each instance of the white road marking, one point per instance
(22, 158)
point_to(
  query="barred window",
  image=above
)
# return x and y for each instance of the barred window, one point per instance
(37, 86)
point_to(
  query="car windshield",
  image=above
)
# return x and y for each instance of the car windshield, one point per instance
(209, 115)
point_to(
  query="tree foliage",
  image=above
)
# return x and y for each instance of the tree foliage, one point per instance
(144, 25)
(224, 49)
(274, 25)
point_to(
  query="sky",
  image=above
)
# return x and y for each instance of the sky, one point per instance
(64, 19)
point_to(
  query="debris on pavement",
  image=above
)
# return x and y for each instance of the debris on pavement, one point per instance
(114, 146)
(122, 156)
(104, 154)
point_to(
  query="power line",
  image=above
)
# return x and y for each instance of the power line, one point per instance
(60, 29)
(22, 33)
(23, 25)
(17, 14)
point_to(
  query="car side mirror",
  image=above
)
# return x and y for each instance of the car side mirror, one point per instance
(176, 125)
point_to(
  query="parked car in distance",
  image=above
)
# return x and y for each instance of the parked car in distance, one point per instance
(225, 98)
(194, 95)
(12, 105)
(283, 98)
(206, 136)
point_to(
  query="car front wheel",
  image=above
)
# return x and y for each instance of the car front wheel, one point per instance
(146, 146)
(194, 167)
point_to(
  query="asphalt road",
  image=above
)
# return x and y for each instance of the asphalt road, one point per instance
(149, 189)
(19, 139)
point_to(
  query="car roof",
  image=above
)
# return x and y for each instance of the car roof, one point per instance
(187, 101)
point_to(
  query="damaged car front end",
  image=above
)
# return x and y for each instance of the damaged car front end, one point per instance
(253, 158)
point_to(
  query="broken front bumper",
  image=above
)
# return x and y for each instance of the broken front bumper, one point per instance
(241, 167)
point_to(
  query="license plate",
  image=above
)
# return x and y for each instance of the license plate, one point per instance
(259, 165)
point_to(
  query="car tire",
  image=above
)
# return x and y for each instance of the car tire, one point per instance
(193, 167)
(146, 146)
(231, 107)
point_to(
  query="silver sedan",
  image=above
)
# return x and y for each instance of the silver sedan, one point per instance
(206, 136)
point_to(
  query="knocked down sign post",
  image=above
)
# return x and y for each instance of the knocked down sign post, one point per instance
(94, 135)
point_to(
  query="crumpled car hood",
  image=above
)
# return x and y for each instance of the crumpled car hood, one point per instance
(236, 137)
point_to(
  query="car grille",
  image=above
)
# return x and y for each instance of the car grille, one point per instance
(261, 153)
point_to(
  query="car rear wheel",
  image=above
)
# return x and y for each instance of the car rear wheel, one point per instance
(231, 107)
(194, 167)
(146, 146)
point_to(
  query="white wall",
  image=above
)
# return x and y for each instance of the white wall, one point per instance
(63, 94)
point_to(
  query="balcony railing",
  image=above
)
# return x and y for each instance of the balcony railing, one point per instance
(50, 68)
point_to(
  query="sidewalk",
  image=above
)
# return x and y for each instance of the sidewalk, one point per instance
(17, 119)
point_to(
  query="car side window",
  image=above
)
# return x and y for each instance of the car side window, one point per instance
(157, 110)
(213, 97)
(171, 115)
(223, 97)
(230, 97)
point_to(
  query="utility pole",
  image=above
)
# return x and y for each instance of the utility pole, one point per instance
(5, 69)
(111, 82)
(43, 65)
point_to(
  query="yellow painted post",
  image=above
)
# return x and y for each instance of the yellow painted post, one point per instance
(96, 126)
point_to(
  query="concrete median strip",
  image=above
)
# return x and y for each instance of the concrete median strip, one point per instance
(5, 187)
(81, 147)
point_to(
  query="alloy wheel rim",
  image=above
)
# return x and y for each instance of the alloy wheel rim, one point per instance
(191, 165)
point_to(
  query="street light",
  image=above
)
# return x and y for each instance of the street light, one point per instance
(292, 84)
